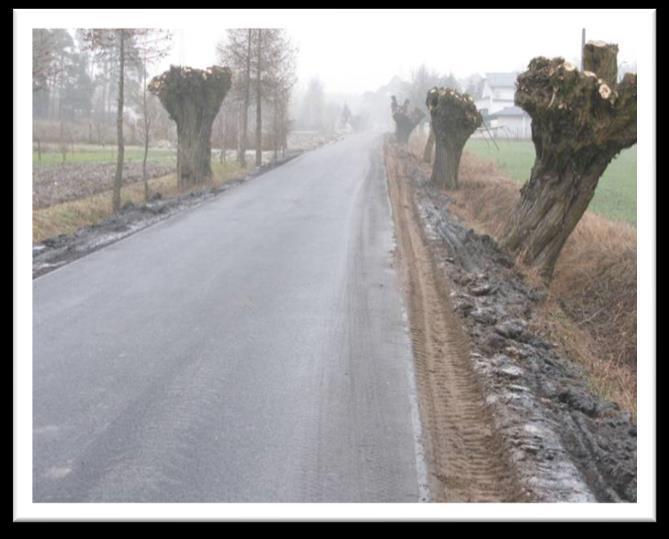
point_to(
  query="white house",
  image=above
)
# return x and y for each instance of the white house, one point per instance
(497, 93)
(501, 116)
(511, 122)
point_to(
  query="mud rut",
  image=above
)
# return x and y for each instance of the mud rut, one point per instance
(466, 462)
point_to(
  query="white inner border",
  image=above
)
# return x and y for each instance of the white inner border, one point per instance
(25, 510)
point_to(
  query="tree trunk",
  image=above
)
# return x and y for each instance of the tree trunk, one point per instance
(405, 122)
(602, 59)
(105, 91)
(118, 178)
(145, 178)
(439, 173)
(146, 138)
(193, 98)
(454, 118)
(63, 142)
(454, 153)
(193, 152)
(446, 164)
(429, 145)
(259, 103)
(241, 154)
(552, 203)
(580, 121)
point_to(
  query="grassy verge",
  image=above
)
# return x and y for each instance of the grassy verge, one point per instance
(69, 217)
(615, 197)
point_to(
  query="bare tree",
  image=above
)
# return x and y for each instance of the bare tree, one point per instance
(405, 121)
(454, 118)
(192, 97)
(580, 121)
(105, 42)
(279, 89)
(259, 68)
(45, 64)
(236, 52)
(153, 45)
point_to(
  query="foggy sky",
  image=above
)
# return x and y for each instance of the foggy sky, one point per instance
(360, 51)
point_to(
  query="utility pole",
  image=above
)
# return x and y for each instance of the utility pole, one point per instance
(582, 46)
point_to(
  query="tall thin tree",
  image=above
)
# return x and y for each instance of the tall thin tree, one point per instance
(259, 99)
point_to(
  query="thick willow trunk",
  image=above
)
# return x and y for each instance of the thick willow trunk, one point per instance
(447, 163)
(552, 203)
(580, 121)
(602, 59)
(439, 174)
(405, 121)
(429, 145)
(402, 133)
(454, 119)
(193, 152)
(193, 98)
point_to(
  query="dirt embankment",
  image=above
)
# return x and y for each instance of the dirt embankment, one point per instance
(590, 307)
(510, 418)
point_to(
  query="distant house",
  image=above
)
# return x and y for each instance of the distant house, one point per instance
(501, 116)
(511, 122)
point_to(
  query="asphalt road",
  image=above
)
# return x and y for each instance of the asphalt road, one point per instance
(253, 349)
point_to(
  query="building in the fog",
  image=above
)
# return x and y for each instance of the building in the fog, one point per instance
(501, 116)
(511, 122)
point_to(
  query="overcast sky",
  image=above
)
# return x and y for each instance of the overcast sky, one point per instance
(355, 52)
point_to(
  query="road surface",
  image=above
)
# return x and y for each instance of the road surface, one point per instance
(253, 349)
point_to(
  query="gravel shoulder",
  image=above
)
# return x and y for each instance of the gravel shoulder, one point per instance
(509, 418)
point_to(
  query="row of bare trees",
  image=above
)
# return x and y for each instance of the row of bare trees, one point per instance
(138, 46)
(263, 61)
(262, 64)
(69, 72)
(580, 121)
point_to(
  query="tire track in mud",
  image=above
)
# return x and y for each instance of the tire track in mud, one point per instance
(467, 464)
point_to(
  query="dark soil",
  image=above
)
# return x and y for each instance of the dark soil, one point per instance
(54, 184)
(559, 434)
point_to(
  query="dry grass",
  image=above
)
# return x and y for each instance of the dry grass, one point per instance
(590, 308)
(68, 217)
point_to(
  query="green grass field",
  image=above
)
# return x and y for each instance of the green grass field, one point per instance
(98, 154)
(615, 196)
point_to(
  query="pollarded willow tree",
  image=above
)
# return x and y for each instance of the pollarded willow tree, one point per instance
(192, 97)
(580, 122)
(405, 120)
(454, 119)
(429, 145)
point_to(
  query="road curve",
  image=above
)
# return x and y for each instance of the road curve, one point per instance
(253, 349)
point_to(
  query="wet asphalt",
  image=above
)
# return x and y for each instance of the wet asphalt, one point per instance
(253, 349)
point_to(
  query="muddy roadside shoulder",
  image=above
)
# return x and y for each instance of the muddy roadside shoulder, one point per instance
(558, 441)
(60, 250)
